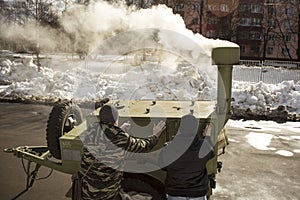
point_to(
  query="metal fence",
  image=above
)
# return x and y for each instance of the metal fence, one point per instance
(273, 63)
(266, 74)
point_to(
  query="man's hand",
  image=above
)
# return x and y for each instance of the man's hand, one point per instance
(207, 130)
(159, 128)
(126, 126)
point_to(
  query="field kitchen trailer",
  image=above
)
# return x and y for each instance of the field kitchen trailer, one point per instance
(65, 124)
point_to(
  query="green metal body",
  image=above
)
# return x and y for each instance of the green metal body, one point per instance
(142, 114)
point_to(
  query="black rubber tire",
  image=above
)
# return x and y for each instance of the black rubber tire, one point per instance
(58, 124)
(137, 185)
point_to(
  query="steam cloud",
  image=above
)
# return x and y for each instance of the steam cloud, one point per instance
(85, 27)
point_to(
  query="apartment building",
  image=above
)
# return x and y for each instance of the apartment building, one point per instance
(264, 29)
(249, 29)
(280, 30)
(219, 17)
(268, 29)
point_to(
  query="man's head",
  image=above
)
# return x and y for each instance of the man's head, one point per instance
(108, 114)
(188, 125)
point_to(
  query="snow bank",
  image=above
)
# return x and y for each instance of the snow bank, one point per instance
(80, 83)
(259, 97)
(148, 80)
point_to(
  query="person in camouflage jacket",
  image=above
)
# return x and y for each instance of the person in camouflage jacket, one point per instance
(105, 145)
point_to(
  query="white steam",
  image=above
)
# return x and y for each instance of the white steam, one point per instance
(98, 21)
(86, 27)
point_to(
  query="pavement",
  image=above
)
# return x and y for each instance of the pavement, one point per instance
(260, 163)
(25, 125)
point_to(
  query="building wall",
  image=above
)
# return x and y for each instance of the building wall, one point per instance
(219, 18)
(283, 41)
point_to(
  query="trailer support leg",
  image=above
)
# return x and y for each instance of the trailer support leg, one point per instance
(31, 176)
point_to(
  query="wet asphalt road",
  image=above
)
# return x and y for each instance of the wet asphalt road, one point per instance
(265, 166)
(25, 125)
(248, 172)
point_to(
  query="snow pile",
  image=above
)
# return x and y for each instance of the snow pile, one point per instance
(143, 82)
(259, 97)
(148, 80)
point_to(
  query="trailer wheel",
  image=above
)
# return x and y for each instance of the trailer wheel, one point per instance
(134, 185)
(63, 117)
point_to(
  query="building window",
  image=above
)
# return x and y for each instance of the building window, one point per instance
(210, 33)
(255, 21)
(254, 35)
(270, 50)
(196, 7)
(250, 22)
(287, 38)
(256, 8)
(271, 23)
(243, 49)
(195, 21)
(289, 11)
(180, 7)
(254, 50)
(209, 7)
(245, 22)
(244, 8)
(212, 20)
(285, 51)
(212, 7)
(224, 8)
(243, 36)
(287, 24)
(272, 10)
(271, 37)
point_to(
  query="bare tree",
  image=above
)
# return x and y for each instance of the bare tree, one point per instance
(296, 30)
(269, 24)
(288, 27)
(13, 11)
(194, 15)
(281, 27)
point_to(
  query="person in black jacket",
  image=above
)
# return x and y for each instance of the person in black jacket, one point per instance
(184, 159)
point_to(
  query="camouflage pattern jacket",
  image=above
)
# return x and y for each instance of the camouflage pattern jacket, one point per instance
(101, 170)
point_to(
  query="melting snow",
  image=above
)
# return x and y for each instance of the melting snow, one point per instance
(260, 141)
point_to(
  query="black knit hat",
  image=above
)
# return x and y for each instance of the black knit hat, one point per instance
(188, 125)
(108, 114)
